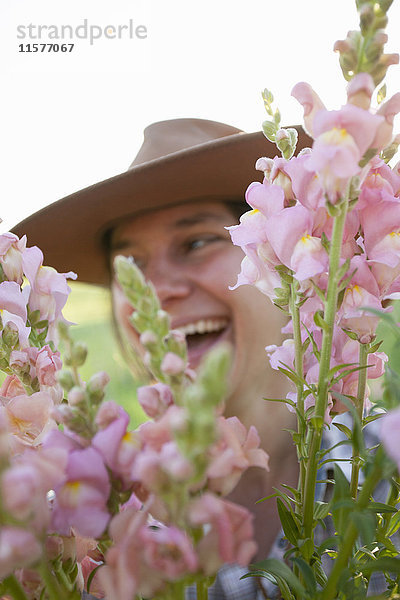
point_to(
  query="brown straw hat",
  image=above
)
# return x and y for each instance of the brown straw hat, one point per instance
(181, 160)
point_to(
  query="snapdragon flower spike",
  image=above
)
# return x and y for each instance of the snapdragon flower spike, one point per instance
(166, 356)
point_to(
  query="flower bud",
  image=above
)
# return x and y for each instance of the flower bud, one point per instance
(12, 264)
(19, 362)
(163, 322)
(155, 399)
(360, 90)
(62, 414)
(264, 164)
(172, 364)
(148, 339)
(96, 385)
(77, 355)
(367, 16)
(66, 380)
(54, 546)
(10, 335)
(76, 396)
(108, 412)
(176, 343)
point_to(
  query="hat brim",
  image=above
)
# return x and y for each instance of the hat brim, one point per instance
(70, 231)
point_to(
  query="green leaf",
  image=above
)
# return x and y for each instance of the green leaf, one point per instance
(270, 128)
(381, 507)
(341, 493)
(308, 575)
(321, 509)
(394, 524)
(91, 576)
(283, 400)
(337, 368)
(365, 522)
(277, 117)
(370, 153)
(375, 347)
(386, 564)
(288, 523)
(344, 429)
(371, 418)
(319, 321)
(328, 544)
(291, 375)
(280, 570)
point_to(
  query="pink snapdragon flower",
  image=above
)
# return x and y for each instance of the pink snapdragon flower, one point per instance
(311, 103)
(306, 183)
(380, 184)
(81, 500)
(381, 226)
(154, 434)
(118, 446)
(275, 172)
(341, 139)
(47, 363)
(49, 289)
(257, 267)
(361, 293)
(11, 253)
(265, 197)
(168, 551)
(236, 450)
(29, 419)
(229, 532)
(290, 235)
(155, 399)
(88, 565)
(125, 574)
(158, 471)
(18, 548)
(16, 324)
(360, 90)
(388, 110)
(11, 387)
(24, 486)
(13, 299)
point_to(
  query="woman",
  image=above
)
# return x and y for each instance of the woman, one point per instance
(169, 211)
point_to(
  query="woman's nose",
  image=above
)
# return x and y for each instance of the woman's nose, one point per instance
(170, 281)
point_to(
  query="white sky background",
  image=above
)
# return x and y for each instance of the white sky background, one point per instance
(72, 119)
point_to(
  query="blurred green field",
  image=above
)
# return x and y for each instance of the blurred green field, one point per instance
(89, 308)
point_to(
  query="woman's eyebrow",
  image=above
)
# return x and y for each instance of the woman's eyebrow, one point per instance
(121, 244)
(198, 218)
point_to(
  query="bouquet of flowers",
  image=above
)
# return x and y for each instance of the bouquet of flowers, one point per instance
(79, 490)
(87, 504)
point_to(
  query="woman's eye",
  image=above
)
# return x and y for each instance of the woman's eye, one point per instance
(201, 242)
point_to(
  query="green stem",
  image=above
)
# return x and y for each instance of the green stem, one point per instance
(350, 535)
(202, 590)
(13, 587)
(53, 588)
(324, 366)
(392, 500)
(298, 365)
(362, 384)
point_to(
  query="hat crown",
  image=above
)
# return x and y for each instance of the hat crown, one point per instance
(167, 137)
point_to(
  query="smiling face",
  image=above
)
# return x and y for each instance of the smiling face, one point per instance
(189, 257)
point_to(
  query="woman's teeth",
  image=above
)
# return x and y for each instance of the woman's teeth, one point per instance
(204, 326)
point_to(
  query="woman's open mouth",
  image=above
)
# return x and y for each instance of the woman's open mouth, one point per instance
(201, 335)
